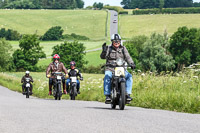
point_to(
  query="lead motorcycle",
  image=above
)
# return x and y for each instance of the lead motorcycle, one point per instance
(57, 90)
(27, 87)
(118, 84)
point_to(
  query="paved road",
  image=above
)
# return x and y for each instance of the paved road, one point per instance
(21, 115)
(113, 26)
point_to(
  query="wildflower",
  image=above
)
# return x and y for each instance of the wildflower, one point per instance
(142, 74)
(139, 71)
(184, 81)
(88, 88)
(195, 77)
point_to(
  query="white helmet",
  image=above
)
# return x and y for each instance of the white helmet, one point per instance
(27, 72)
(115, 37)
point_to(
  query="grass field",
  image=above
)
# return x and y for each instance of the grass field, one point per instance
(177, 93)
(94, 59)
(134, 25)
(90, 23)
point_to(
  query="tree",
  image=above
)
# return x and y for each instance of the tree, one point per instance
(155, 56)
(161, 4)
(5, 58)
(80, 3)
(54, 33)
(135, 47)
(98, 5)
(71, 51)
(29, 53)
(185, 46)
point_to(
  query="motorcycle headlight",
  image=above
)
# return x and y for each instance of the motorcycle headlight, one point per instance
(120, 62)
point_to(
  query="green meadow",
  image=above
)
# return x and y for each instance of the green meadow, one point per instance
(134, 25)
(82, 22)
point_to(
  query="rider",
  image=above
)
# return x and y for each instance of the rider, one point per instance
(23, 80)
(74, 72)
(111, 53)
(56, 66)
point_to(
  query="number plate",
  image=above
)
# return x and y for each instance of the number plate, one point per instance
(59, 77)
(119, 71)
(73, 79)
(28, 85)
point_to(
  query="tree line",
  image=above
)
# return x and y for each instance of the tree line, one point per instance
(41, 4)
(144, 4)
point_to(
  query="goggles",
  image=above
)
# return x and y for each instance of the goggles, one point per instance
(116, 41)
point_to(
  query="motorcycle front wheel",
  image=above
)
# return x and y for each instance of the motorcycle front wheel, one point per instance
(27, 93)
(73, 95)
(122, 98)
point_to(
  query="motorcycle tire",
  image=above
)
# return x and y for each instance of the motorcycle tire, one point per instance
(27, 93)
(73, 93)
(122, 98)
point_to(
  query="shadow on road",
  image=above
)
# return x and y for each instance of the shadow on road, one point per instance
(101, 108)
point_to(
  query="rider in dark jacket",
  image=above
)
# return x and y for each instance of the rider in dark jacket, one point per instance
(23, 80)
(74, 72)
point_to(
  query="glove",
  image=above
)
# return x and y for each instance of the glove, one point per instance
(50, 93)
(48, 76)
(81, 78)
(66, 76)
(65, 92)
(104, 47)
(132, 66)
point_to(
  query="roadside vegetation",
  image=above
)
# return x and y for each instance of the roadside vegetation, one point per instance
(176, 92)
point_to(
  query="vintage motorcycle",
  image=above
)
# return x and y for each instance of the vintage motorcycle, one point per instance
(57, 81)
(73, 87)
(118, 84)
(27, 87)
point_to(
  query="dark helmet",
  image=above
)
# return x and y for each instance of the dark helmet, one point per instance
(115, 37)
(56, 56)
(72, 63)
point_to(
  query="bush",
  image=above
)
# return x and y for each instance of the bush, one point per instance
(54, 33)
(135, 47)
(9, 34)
(29, 53)
(93, 69)
(123, 12)
(185, 46)
(71, 51)
(74, 36)
(116, 8)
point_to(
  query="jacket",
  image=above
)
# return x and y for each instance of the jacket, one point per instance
(53, 67)
(112, 54)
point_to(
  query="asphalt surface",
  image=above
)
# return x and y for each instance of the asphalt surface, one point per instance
(113, 25)
(33, 115)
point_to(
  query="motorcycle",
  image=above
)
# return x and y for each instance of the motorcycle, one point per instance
(73, 87)
(27, 87)
(118, 84)
(57, 90)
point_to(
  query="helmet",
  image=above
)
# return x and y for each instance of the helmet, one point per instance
(27, 72)
(72, 63)
(56, 56)
(115, 37)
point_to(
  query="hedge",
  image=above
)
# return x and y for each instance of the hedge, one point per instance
(190, 10)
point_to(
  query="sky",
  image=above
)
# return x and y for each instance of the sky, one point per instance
(110, 2)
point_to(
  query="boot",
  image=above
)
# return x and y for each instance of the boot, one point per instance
(50, 90)
(78, 90)
(64, 88)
